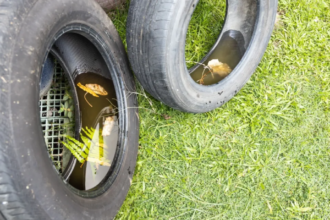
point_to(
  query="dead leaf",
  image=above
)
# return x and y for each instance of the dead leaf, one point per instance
(221, 69)
(166, 117)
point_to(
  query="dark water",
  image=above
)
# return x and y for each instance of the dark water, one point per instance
(99, 126)
(230, 51)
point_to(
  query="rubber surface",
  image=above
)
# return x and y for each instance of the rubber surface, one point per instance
(29, 185)
(156, 33)
(46, 76)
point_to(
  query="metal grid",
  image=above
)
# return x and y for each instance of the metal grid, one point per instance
(54, 123)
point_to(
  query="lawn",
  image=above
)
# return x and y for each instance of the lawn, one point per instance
(263, 155)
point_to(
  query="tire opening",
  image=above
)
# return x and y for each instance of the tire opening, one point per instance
(230, 45)
(79, 114)
(203, 30)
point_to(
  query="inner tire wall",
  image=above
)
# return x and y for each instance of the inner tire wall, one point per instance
(156, 33)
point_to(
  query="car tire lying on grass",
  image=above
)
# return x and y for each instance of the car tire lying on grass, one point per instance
(82, 39)
(156, 34)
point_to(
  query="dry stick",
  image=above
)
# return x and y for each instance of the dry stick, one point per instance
(111, 103)
(201, 81)
(145, 96)
(152, 110)
(148, 99)
(83, 163)
(86, 99)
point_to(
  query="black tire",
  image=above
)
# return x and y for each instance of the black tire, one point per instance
(156, 33)
(30, 187)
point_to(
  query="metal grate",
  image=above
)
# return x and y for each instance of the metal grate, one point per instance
(54, 124)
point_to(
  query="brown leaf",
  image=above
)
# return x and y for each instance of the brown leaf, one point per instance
(166, 117)
(221, 69)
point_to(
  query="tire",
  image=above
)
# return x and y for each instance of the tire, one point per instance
(30, 187)
(46, 77)
(156, 49)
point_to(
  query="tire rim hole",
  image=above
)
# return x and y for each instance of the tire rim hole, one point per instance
(237, 23)
(79, 116)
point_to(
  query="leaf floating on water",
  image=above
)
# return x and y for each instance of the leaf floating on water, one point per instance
(222, 69)
(214, 72)
(86, 89)
(96, 88)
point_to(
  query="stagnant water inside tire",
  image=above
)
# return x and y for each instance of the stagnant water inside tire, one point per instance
(99, 130)
(95, 147)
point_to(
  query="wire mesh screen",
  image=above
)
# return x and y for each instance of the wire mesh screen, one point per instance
(56, 123)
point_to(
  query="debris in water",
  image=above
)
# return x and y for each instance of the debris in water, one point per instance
(222, 69)
(108, 125)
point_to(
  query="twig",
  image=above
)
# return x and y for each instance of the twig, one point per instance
(86, 99)
(201, 81)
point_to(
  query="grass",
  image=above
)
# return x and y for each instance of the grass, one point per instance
(263, 155)
(204, 29)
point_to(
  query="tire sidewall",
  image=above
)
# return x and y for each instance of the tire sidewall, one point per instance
(35, 178)
(198, 98)
(156, 46)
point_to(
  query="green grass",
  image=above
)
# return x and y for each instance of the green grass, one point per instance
(204, 29)
(263, 155)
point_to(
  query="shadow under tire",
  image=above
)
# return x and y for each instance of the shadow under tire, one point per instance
(30, 187)
(156, 35)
